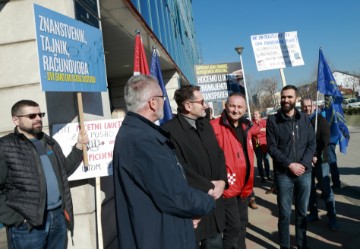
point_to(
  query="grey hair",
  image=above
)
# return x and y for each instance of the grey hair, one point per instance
(306, 98)
(138, 90)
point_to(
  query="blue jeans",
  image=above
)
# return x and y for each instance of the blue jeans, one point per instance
(321, 173)
(260, 158)
(335, 174)
(52, 234)
(287, 186)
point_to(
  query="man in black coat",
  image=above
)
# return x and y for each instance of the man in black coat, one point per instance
(291, 144)
(203, 160)
(321, 168)
(154, 203)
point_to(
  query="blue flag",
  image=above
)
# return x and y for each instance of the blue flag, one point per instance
(333, 99)
(155, 71)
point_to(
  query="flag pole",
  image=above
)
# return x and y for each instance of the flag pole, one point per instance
(316, 111)
(239, 51)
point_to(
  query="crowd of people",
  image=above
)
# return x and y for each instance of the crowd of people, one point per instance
(187, 184)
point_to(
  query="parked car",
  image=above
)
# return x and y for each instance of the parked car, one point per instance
(350, 103)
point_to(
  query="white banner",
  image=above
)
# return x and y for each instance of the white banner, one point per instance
(102, 134)
(276, 50)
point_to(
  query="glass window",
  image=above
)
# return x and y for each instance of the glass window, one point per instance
(161, 13)
(154, 10)
(145, 11)
(136, 4)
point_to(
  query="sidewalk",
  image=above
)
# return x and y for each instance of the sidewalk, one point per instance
(262, 231)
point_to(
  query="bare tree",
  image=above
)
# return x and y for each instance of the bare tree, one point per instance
(253, 91)
(267, 88)
(308, 90)
(354, 83)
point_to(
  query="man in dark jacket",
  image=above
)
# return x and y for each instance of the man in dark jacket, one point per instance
(291, 144)
(35, 199)
(154, 204)
(203, 160)
(321, 169)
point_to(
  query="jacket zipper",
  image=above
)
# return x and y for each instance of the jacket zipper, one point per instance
(295, 138)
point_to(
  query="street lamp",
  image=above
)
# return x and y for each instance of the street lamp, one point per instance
(239, 51)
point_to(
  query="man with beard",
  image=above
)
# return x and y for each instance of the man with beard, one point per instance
(234, 133)
(291, 144)
(154, 204)
(203, 160)
(35, 199)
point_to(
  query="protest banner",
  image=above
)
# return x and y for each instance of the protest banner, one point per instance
(71, 53)
(276, 50)
(102, 134)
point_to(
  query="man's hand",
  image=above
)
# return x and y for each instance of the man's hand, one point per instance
(314, 160)
(297, 169)
(82, 139)
(196, 222)
(219, 189)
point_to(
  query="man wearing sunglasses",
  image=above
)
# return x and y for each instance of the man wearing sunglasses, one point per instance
(35, 199)
(203, 160)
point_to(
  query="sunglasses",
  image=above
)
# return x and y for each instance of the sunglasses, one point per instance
(201, 102)
(32, 115)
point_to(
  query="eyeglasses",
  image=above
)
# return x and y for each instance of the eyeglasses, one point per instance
(201, 102)
(160, 96)
(32, 115)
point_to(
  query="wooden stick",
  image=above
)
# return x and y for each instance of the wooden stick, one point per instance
(282, 77)
(82, 129)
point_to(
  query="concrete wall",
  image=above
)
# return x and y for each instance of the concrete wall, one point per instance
(172, 80)
(20, 79)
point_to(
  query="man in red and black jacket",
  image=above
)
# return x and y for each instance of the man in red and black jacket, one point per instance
(234, 134)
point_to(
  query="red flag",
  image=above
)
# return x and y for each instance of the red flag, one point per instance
(140, 61)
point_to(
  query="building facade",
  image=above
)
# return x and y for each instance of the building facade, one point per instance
(166, 24)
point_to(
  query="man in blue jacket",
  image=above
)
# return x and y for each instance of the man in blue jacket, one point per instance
(154, 204)
(291, 144)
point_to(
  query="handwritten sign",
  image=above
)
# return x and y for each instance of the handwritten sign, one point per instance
(102, 134)
(276, 50)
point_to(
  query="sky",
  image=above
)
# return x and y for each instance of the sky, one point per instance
(222, 25)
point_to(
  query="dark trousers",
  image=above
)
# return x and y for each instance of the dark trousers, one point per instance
(214, 242)
(321, 173)
(335, 174)
(260, 158)
(236, 220)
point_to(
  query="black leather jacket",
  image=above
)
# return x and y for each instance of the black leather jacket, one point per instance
(22, 180)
